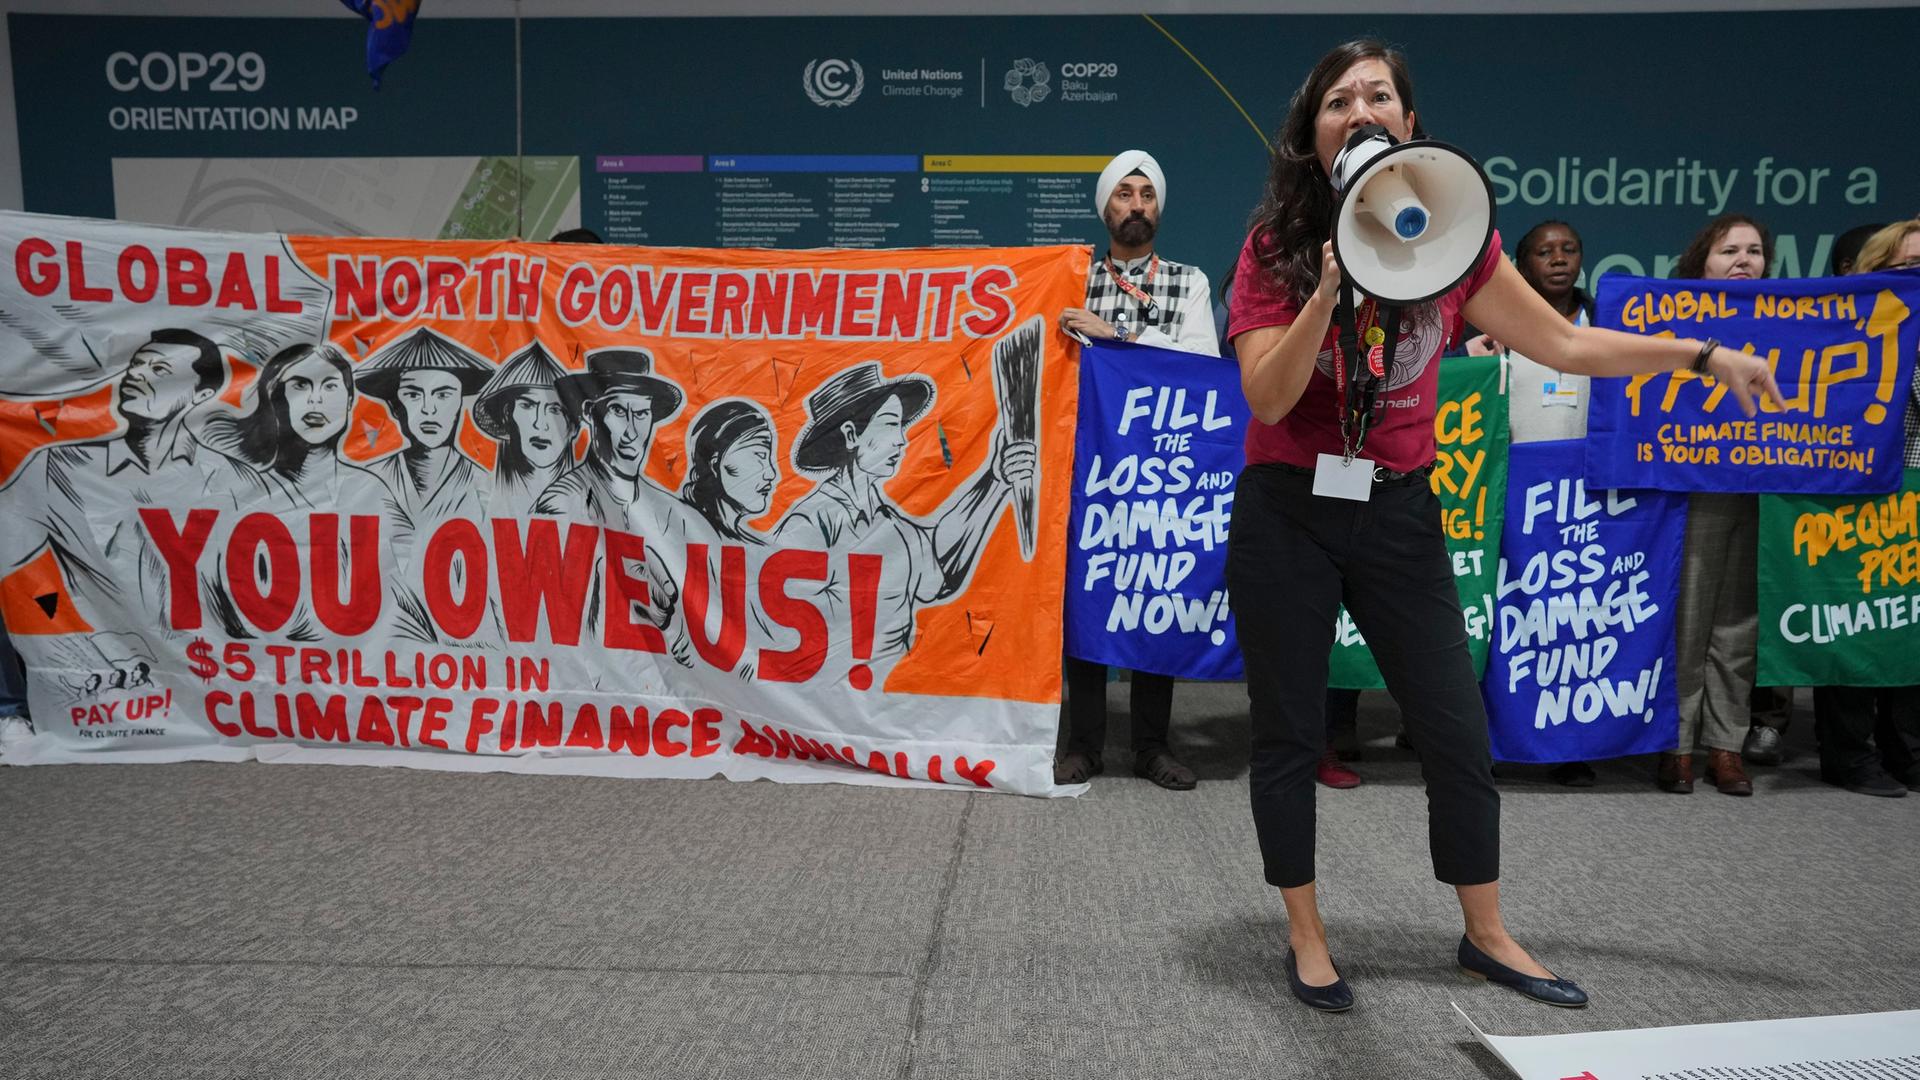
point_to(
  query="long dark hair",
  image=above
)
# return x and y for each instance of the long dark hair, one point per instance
(1693, 261)
(712, 434)
(1295, 215)
(264, 437)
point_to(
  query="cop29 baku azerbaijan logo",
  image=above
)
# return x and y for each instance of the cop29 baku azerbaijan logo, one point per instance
(833, 82)
(1028, 81)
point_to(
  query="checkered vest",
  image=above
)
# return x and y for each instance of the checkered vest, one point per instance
(1172, 283)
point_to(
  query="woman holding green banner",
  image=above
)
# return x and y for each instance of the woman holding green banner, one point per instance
(1294, 556)
(1870, 736)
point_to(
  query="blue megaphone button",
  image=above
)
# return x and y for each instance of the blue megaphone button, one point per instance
(1410, 222)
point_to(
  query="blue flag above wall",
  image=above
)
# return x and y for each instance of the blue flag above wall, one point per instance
(389, 30)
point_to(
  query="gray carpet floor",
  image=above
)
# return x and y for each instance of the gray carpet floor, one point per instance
(289, 921)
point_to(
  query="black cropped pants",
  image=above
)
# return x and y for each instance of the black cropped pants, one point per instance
(1292, 559)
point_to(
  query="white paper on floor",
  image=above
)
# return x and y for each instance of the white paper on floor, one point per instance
(1866, 1046)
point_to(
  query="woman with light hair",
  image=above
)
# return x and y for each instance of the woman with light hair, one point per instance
(1896, 247)
(1870, 736)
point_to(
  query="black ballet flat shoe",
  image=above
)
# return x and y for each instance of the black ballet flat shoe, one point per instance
(1552, 991)
(1336, 997)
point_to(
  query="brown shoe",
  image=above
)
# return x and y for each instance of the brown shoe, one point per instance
(1725, 772)
(1161, 767)
(1676, 773)
(1077, 767)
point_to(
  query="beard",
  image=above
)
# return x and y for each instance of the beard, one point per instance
(1132, 230)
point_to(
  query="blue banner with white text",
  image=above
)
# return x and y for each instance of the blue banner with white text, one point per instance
(1156, 455)
(1583, 662)
(1842, 351)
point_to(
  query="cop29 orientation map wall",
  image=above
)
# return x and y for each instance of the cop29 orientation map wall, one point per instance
(548, 508)
(863, 132)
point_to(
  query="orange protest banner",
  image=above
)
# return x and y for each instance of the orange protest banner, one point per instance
(536, 506)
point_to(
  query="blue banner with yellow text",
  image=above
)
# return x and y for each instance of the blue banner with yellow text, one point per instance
(1156, 456)
(1842, 351)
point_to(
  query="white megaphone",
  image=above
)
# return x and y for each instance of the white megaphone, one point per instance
(1413, 219)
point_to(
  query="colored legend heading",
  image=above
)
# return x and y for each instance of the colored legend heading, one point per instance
(1015, 163)
(813, 163)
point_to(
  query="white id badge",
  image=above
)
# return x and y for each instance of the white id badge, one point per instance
(1338, 478)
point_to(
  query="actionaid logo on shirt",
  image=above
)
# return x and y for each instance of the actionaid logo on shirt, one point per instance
(833, 82)
(1028, 81)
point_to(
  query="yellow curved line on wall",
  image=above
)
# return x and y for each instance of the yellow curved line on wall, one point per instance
(1261, 135)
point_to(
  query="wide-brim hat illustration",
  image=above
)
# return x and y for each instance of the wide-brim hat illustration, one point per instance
(854, 394)
(422, 350)
(532, 368)
(628, 370)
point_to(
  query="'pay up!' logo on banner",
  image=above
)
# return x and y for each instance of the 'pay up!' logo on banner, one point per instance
(1841, 349)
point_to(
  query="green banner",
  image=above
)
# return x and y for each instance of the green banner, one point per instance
(1470, 476)
(1840, 589)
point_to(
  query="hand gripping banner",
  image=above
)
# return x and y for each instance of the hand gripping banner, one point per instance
(1841, 349)
(546, 508)
(1157, 454)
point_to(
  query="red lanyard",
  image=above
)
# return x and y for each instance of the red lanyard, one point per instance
(1356, 410)
(1367, 328)
(1128, 287)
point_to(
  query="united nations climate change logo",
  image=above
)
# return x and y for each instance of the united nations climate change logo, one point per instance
(1027, 81)
(833, 82)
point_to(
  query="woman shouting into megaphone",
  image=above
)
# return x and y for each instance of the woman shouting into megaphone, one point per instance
(1334, 506)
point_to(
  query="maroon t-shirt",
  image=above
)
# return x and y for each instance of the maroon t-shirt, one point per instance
(1402, 435)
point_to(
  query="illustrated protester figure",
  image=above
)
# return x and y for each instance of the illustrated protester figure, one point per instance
(302, 403)
(520, 409)
(731, 468)
(424, 379)
(81, 500)
(622, 402)
(303, 399)
(855, 437)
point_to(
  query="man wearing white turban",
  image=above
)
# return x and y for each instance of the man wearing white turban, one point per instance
(1133, 295)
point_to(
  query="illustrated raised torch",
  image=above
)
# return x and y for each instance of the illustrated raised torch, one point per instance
(1016, 372)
